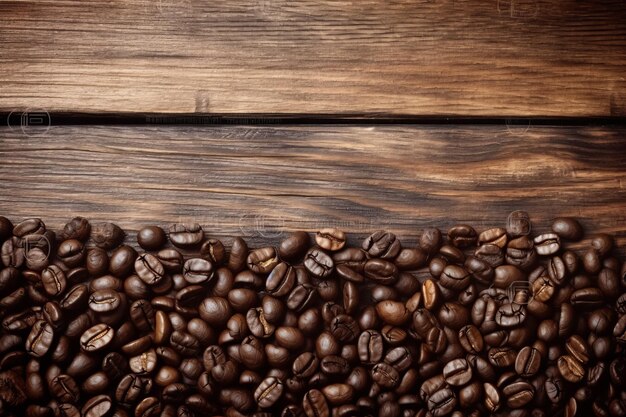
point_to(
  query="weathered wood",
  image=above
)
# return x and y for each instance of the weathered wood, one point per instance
(431, 57)
(263, 181)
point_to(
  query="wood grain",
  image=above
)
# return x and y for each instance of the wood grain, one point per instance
(261, 182)
(430, 57)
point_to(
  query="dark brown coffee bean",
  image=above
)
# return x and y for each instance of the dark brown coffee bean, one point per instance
(587, 298)
(528, 362)
(471, 339)
(462, 236)
(268, 392)
(186, 235)
(410, 259)
(258, 325)
(394, 313)
(344, 328)
(106, 235)
(314, 404)
(198, 271)
(452, 254)
(65, 389)
(294, 246)
(457, 372)
(39, 339)
(281, 280)
(122, 261)
(381, 271)
(143, 363)
(603, 243)
(104, 301)
(334, 365)
(301, 297)
(518, 394)
(454, 277)
(442, 402)
(510, 315)
(151, 237)
(96, 338)
(338, 394)
(53, 280)
(570, 368)
(385, 375)
(382, 244)
(148, 407)
(502, 357)
(149, 268)
(567, 228)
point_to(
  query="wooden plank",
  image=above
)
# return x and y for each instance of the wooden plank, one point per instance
(260, 182)
(431, 57)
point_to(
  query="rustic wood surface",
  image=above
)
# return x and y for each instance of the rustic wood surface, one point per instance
(430, 57)
(260, 182)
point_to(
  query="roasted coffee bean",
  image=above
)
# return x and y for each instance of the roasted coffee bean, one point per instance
(410, 259)
(334, 365)
(106, 235)
(65, 389)
(462, 236)
(330, 239)
(567, 228)
(122, 261)
(570, 368)
(442, 402)
(382, 244)
(601, 242)
(149, 268)
(547, 244)
(39, 339)
(104, 301)
(457, 372)
(385, 375)
(281, 280)
(318, 263)
(344, 328)
(151, 237)
(454, 278)
(370, 347)
(294, 246)
(53, 280)
(381, 271)
(314, 404)
(186, 235)
(471, 339)
(394, 313)
(198, 271)
(268, 392)
(96, 338)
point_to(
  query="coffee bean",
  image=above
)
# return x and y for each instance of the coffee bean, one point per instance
(268, 392)
(471, 339)
(294, 246)
(318, 263)
(330, 239)
(106, 300)
(567, 228)
(149, 269)
(462, 236)
(151, 237)
(601, 242)
(262, 261)
(334, 365)
(442, 402)
(385, 375)
(391, 312)
(198, 271)
(96, 338)
(382, 244)
(457, 372)
(39, 339)
(547, 244)
(381, 271)
(314, 404)
(65, 389)
(518, 394)
(281, 280)
(53, 280)
(186, 235)
(455, 278)
(570, 368)
(106, 235)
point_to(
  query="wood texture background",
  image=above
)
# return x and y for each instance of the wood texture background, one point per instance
(427, 57)
(260, 182)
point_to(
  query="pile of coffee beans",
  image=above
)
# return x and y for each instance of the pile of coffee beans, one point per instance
(466, 323)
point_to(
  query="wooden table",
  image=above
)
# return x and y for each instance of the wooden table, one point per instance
(453, 71)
